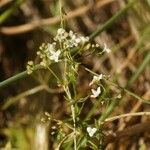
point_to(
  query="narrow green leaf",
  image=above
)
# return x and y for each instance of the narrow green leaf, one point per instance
(140, 69)
(6, 14)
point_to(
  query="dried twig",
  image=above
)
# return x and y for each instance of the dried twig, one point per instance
(128, 132)
(4, 2)
(134, 109)
(127, 115)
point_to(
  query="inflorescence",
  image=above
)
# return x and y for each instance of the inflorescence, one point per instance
(55, 52)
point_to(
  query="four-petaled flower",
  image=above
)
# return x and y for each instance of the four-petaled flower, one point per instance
(96, 79)
(55, 55)
(91, 131)
(51, 47)
(52, 54)
(95, 93)
(106, 49)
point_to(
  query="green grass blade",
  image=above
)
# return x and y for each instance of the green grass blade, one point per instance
(113, 19)
(141, 68)
(15, 99)
(6, 14)
(16, 77)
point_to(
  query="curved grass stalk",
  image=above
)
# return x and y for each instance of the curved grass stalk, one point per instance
(13, 100)
(127, 115)
(59, 145)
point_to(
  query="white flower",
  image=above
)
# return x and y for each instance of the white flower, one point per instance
(71, 34)
(55, 55)
(95, 93)
(51, 47)
(52, 54)
(119, 96)
(106, 49)
(61, 35)
(96, 79)
(61, 31)
(91, 131)
(74, 39)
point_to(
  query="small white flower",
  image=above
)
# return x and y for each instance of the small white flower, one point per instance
(95, 93)
(51, 52)
(76, 40)
(91, 131)
(96, 79)
(61, 31)
(106, 49)
(71, 34)
(55, 55)
(61, 35)
(51, 47)
(119, 96)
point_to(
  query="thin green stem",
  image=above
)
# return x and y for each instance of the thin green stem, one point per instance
(66, 89)
(108, 111)
(54, 74)
(17, 77)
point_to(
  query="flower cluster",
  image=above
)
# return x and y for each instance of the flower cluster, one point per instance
(70, 39)
(61, 35)
(48, 53)
(30, 67)
(52, 52)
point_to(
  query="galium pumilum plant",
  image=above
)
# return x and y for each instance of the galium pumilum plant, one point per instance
(60, 52)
